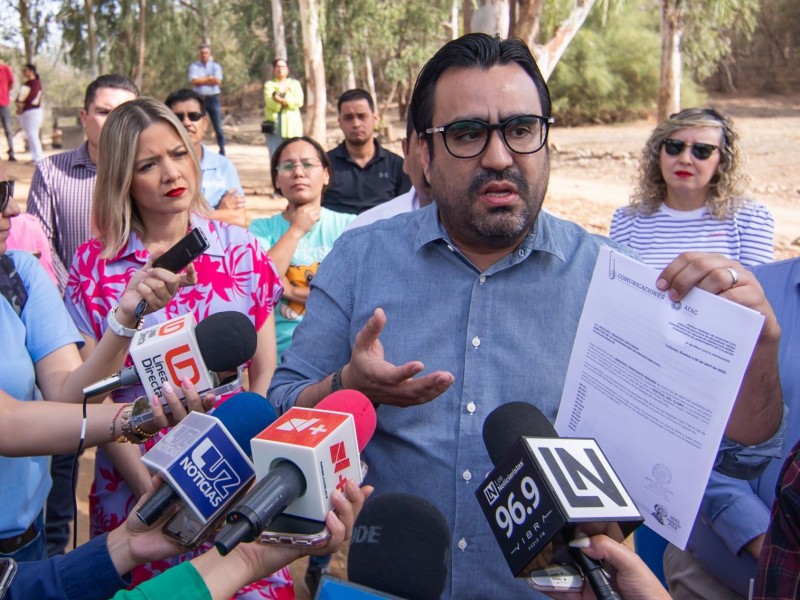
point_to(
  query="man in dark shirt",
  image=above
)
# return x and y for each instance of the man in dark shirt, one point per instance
(364, 173)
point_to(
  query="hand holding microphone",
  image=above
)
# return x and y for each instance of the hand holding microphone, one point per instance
(543, 488)
(302, 458)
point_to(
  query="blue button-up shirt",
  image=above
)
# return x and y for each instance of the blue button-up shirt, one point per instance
(735, 511)
(210, 69)
(506, 335)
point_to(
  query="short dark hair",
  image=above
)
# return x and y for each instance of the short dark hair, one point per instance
(182, 95)
(32, 68)
(476, 51)
(116, 82)
(355, 94)
(275, 159)
(280, 59)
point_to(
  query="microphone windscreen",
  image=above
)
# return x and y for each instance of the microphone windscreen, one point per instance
(401, 546)
(245, 415)
(511, 421)
(358, 405)
(227, 339)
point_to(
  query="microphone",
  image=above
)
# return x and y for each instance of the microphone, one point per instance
(183, 348)
(543, 487)
(400, 546)
(202, 461)
(299, 460)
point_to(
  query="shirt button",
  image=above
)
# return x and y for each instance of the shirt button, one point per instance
(476, 341)
(462, 544)
(467, 475)
(520, 252)
(482, 278)
(471, 407)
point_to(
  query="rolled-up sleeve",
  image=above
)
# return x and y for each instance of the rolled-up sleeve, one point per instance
(747, 462)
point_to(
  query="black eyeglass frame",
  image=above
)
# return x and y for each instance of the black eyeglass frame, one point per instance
(679, 146)
(6, 193)
(194, 116)
(545, 123)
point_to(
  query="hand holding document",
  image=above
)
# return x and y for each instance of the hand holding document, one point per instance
(654, 381)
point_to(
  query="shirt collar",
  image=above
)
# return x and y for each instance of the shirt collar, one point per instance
(135, 248)
(80, 157)
(542, 237)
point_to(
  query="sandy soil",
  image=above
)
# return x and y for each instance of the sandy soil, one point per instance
(592, 172)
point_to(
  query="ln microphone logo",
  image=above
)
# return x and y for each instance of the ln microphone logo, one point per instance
(582, 478)
(491, 493)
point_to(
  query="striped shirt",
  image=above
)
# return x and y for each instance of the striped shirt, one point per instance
(61, 198)
(747, 236)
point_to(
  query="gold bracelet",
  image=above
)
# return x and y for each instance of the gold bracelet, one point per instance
(114, 437)
(131, 433)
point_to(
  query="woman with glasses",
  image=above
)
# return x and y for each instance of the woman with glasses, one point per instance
(147, 197)
(689, 196)
(302, 235)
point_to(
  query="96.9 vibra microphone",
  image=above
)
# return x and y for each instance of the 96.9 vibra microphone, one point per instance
(300, 460)
(181, 348)
(544, 488)
(203, 463)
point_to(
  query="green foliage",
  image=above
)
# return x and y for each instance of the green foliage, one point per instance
(609, 72)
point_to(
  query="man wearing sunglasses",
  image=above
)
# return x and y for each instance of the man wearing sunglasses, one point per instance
(444, 313)
(220, 185)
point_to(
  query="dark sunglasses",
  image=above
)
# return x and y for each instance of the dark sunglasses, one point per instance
(194, 117)
(6, 193)
(699, 151)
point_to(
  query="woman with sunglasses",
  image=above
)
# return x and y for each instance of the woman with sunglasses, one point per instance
(302, 235)
(147, 197)
(689, 195)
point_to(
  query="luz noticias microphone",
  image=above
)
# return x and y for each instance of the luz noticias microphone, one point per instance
(543, 488)
(178, 348)
(202, 462)
(300, 459)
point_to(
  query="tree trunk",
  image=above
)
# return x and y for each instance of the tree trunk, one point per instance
(316, 96)
(669, 90)
(278, 30)
(91, 37)
(528, 19)
(140, 43)
(369, 75)
(548, 55)
(466, 11)
(492, 17)
(350, 70)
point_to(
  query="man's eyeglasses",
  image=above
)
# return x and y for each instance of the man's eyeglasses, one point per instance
(699, 151)
(523, 134)
(194, 117)
(306, 165)
(6, 193)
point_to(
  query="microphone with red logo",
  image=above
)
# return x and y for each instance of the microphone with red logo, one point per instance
(544, 488)
(183, 348)
(300, 460)
(203, 462)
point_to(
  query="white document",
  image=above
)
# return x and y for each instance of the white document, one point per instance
(654, 382)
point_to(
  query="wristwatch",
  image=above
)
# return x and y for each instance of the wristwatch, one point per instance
(119, 328)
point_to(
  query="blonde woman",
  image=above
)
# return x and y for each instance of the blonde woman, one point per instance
(690, 195)
(146, 199)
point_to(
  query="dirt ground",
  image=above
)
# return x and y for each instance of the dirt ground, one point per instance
(592, 173)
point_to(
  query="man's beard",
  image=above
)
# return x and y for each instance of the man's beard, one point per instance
(468, 220)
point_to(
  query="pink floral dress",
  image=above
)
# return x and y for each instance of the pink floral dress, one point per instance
(233, 274)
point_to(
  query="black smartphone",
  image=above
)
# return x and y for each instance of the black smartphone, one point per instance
(8, 568)
(178, 257)
(184, 252)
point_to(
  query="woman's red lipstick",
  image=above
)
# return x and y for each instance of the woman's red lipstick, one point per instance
(174, 193)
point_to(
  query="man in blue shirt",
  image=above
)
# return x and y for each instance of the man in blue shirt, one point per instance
(726, 541)
(205, 75)
(444, 313)
(220, 184)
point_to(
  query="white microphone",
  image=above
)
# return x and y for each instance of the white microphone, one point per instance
(202, 460)
(300, 460)
(183, 348)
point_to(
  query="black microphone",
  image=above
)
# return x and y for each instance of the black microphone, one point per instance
(544, 488)
(203, 461)
(302, 458)
(400, 546)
